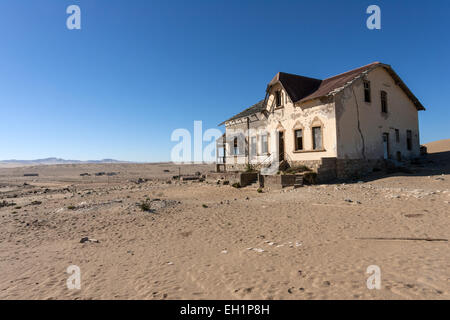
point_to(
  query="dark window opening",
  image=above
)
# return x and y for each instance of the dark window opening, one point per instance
(317, 138)
(367, 91)
(409, 139)
(298, 139)
(397, 135)
(278, 98)
(384, 106)
(399, 156)
(235, 146)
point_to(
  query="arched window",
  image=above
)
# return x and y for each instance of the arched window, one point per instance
(278, 98)
(317, 134)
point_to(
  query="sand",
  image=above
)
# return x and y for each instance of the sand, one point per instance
(438, 146)
(209, 241)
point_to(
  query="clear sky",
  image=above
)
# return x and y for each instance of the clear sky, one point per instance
(137, 70)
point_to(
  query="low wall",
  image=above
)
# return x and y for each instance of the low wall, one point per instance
(327, 169)
(356, 168)
(243, 178)
(278, 181)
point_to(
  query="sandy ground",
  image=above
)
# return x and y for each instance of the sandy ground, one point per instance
(209, 241)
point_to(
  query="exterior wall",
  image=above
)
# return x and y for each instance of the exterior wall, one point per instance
(257, 125)
(286, 119)
(402, 115)
(290, 117)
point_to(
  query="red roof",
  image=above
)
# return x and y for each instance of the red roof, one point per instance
(335, 82)
(301, 89)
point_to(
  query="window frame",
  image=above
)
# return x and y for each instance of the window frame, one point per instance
(314, 142)
(384, 101)
(264, 152)
(278, 99)
(235, 146)
(296, 148)
(367, 91)
(253, 147)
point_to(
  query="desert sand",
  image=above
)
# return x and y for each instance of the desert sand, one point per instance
(208, 241)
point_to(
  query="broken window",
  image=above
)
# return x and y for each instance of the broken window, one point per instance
(367, 91)
(397, 135)
(298, 139)
(264, 144)
(278, 98)
(409, 139)
(384, 102)
(235, 146)
(317, 138)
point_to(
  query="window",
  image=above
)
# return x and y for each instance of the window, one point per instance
(264, 144)
(235, 146)
(397, 135)
(253, 147)
(298, 136)
(317, 138)
(278, 98)
(367, 91)
(384, 102)
(409, 139)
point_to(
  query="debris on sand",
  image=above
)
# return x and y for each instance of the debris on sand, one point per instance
(140, 180)
(151, 205)
(87, 239)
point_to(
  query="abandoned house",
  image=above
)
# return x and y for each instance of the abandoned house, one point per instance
(341, 126)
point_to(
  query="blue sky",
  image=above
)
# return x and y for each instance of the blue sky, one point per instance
(137, 70)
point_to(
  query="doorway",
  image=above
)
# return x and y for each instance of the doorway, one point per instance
(386, 145)
(281, 145)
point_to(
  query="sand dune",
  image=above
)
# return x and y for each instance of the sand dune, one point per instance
(438, 146)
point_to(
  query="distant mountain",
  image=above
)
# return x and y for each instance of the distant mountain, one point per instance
(48, 161)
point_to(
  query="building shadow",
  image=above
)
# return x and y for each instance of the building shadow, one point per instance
(427, 165)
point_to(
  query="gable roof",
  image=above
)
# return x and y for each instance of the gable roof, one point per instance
(257, 107)
(330, 84)
(296, 86)
(301, 89)
(336, 83)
